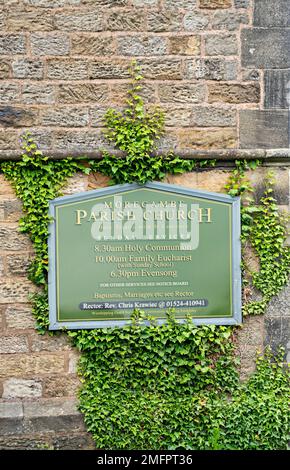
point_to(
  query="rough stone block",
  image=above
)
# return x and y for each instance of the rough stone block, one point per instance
(250, 75)
(18, 117)
(263, 129)
(196, 21)
(265, 48)
(213, 180)
(67, 69)
(64, 386)
(19, 365)
(38, 93)
(184, 45)
(13, 344)
(185, 4)
(221, 44)
(277, 89)
(76, 184)
(8, 140)
(27, 68)
(11, 239)
(9, 93)
(215, 4)
(56, 414)
(230, 21)
(207, 138)
(54, 3)
(277, 333)
(43, 137)
(82, 44)
(234, 93)
(142, 3)
(5, 187)
(91, 20)
(135, 46)
(181, 93)
(109, 69)
(17, 265)
(119, 93)
(129, 20)
(52, 44)
(271, 13)
(280, 187)
(164, 20)
(21, 388)
(86, 140)
(73, 362)
(4, 69)
(241, 3)
(19, 19)
(64, 117)
(11, 292)
(11, 417)
(48, 343)
(11, 44)
(19, 317)
(79, 441)
(84, 93)
(211, 116)
(210, 69)
(161, 69)
(279, 306)
(10, 209)
(177, 116)
(98, 180)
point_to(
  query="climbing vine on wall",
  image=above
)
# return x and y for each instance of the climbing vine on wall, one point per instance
(163, 387)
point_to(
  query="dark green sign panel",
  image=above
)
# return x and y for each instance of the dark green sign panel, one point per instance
(154, 247)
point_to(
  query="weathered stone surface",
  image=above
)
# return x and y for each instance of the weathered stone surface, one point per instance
(210, 69)
(277, 333)
(82, 44)
(17, 117)
(73, 362)
(213, 180)
(249, 341)
(11, 291)
(263, 129)
(9, 93)
(266, 48)
(207, 138)
(43, 137)
(142, 3)
(109, 69)
(277, 89)
(25, 442)
(234, 93)
(4, 69)
(135, 46)
(250, 75)
(211, 116)
(27, 68)
(98, 180)
(10, 208)
(177, 116)
(164, 20)
(5, 187)
(279, 306)
(215, 4)
(64, 117)
(80, 441)
(17, 265)
(79, 20)
(12, 44)
(184, 45)
(19, 365)
(19, 317)
(241, 3)
(87, 140)
(57, 414)
(19, 19)
(221, 44)
(161, 69)
(52, 44)
(8, 140)
(67, 69)
(11, 239)
(54, 3)
(1, 274)
(229, 20)
(38, 93)
(76, 184)
(280, 186)
(21, 388)
(271, 13)
(64, 386)
(119, 93)
(13, 344)
(126, 20)
(195, 21)
(11, 416)
(48, 343)
(84, 93)
(180, 93)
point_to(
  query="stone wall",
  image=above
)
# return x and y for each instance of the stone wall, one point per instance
(38, 381)
(63, 62)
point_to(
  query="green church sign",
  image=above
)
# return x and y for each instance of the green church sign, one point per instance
(153, 247)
